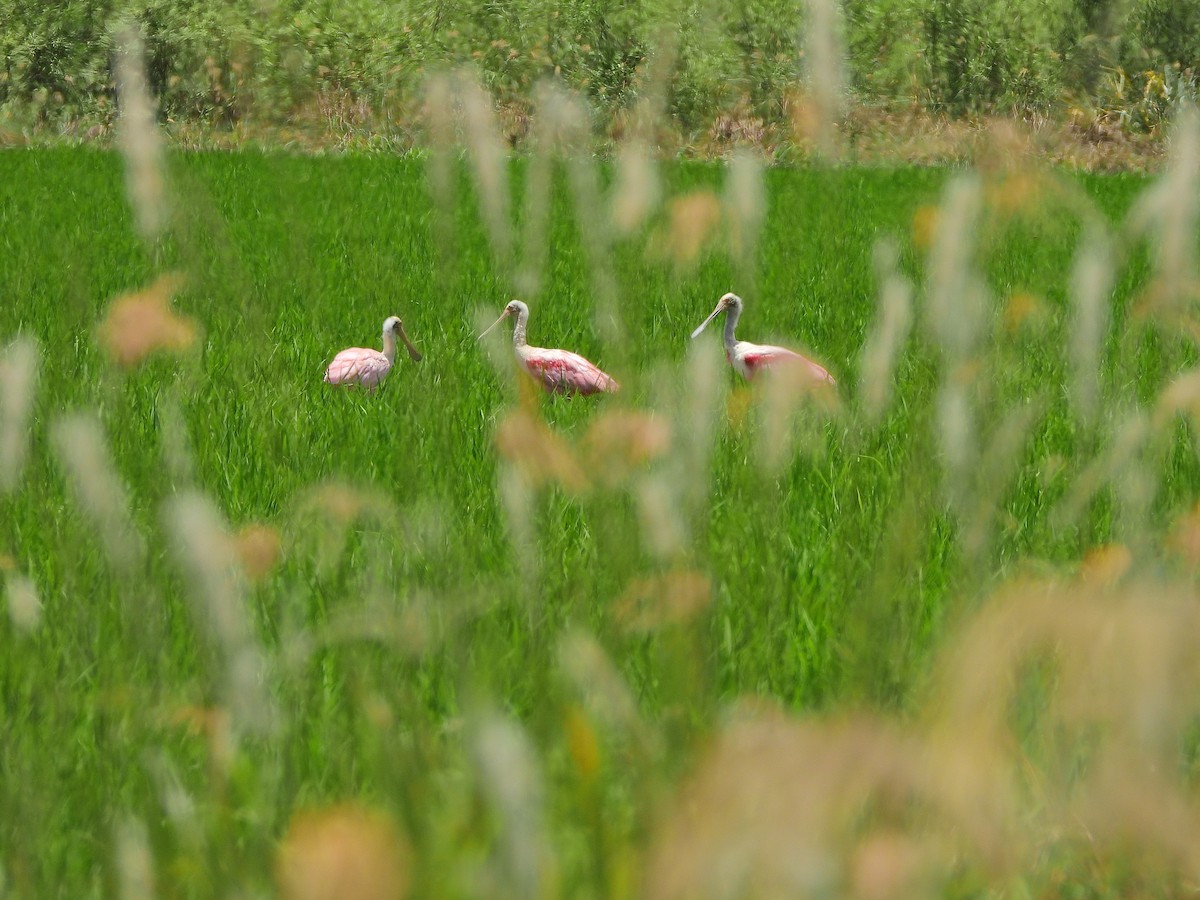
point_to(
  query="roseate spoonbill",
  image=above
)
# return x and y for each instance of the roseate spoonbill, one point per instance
(360, 366)
(560, 371)
(749, 359)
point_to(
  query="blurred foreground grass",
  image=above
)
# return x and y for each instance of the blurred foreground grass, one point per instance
(931, 635)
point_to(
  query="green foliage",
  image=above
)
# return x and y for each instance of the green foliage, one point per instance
(1166, 32)
(219, 63)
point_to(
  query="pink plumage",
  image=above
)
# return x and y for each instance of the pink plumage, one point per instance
(558, 371)
(749, 359)
(565, 372)
(358, 365)
(361, 367)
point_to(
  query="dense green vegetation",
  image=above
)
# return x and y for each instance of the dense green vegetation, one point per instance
(363, 63)
(457, 615)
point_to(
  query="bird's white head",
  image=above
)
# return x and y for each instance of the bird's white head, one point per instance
(393, 329)
(729, 301)
(514, 308)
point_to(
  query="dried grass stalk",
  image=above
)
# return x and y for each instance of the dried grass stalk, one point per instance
(24, 605)
(746, 204)
(135, 861)
(138, 135)
(142, 323)
(18, 381)
(824, 66)
(79, 443)
(489, 161)
(1091, 290)
(510, 780)
(883, 346)
(342, 852)
(207, 553)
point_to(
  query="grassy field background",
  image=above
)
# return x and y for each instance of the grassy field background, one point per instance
(512, 626)
(1100, 80)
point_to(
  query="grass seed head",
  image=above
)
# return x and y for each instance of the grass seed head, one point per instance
(700, 398)
(1104, 566)
(517, 500)
(1176, 234)
(1120, 670)
(692, 221)
(207, 553)
(135, 861)
(18, 380)
(342, 852)
(924, 227)
(81, 450)
(598, 683)
(824, 67)
(648, 604)
(140, 141)
(881, 351)
(24, 605)
(511, 781)
(620, 442)
(793, 407)
(538, 194)
(141, 323)
(176, 447)
(637, 192)
(955, 299)
(437, 114)
(771, 808)
(570, 112)
(746, 204)
(258, 550)
(1091, 290)
(489, 162)
(582, 744)
(664, 530)
(538, 453)
(1184, 538)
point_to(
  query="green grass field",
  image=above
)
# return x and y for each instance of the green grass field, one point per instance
(431, 590)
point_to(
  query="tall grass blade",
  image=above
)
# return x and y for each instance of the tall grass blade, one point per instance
(509, 777)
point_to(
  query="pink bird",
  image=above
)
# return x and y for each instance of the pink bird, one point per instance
(560, 371)
(749, 359)
(366, 368)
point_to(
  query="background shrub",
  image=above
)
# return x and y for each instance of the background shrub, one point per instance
(221, 63)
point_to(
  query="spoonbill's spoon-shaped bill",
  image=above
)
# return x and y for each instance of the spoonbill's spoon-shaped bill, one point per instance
(712, 315)
(504, 315)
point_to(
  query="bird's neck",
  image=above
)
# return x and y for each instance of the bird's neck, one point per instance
(389, 346)
(519, 330)
(731, 317)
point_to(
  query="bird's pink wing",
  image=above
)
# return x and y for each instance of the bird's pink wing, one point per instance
(762, 356)
(358, 366)
(568, 373)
